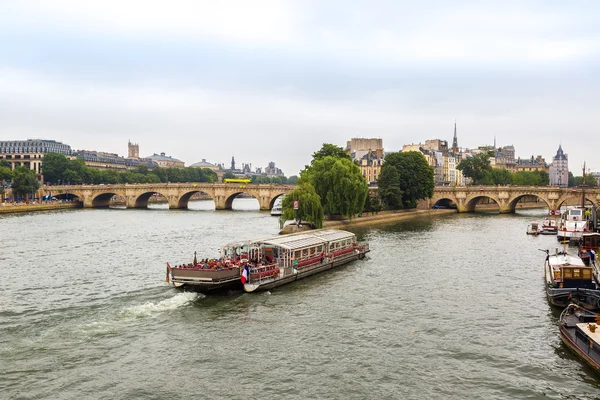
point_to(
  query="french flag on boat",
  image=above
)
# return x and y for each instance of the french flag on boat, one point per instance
(244, 277)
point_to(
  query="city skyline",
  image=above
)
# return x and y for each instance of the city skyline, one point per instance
(276, 80)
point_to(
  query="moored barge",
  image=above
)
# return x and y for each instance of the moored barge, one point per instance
(568, 280)
(580, 332)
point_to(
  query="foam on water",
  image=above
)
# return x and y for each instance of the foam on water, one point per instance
(147, 309)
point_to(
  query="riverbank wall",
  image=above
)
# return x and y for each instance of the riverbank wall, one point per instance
(6, 208)
(386, 217)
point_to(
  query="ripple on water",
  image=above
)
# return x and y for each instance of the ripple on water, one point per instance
(451, 307)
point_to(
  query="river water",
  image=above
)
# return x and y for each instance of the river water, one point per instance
(448, 307)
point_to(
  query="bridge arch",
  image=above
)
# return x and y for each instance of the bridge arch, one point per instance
(102, 200)
(512, 204)
(67, 196)
(472, 202)
(232, 196)
(575, 198)
(274, 199)
(184, 199)
(444, 202)
(141, 200)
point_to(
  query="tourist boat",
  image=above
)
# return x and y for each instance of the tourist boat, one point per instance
(277, 209)
(299, 255)
(262, 264)
(573, 224)
(580, 332)
(589, 244)
(549, 227)
(569, 280)
(218, 274)
(533, 228)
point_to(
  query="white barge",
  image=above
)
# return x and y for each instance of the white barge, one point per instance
(299, 255)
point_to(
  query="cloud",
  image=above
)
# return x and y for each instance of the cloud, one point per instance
(273, 80)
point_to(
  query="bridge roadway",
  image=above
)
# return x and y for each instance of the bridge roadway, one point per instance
(178, 194)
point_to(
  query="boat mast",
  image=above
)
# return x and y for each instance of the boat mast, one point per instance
(583, 188)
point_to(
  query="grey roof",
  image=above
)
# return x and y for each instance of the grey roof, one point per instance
(203, 164)
(162, 157)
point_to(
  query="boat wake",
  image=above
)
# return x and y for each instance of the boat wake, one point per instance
(147, 309)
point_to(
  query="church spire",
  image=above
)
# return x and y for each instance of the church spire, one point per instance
(455, 140)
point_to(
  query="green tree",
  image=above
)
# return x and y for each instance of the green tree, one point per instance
(4, 163)
(590, 180)
(228, 175)
(412, 181)
(24, 181)
(544, 178)
(292, 180)
(476, 167)
(329, 150)
(54, 166)
(5, 174)
(501, 176)
(339, 183)
(388, 183)
(309, 205)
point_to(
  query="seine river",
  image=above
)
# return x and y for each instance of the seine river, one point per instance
(450, 307)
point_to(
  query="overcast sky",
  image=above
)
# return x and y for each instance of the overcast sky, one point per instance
(273, 80)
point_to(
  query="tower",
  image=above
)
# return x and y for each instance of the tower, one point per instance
(232, 163)
(455, 140)
(133, 150)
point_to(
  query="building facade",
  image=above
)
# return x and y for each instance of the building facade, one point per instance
(532, 164)
(102, 160)
(559, 169)
(133, 150)
(30, 152)
(370, 166)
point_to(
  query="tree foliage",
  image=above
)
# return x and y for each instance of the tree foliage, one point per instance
(309, 205)
(530, 178)
(389, 187)
(329, 150)
(590, 180)
(57, 169)
(5, 174)
(24, 181)
(411, 181)
(477, 168)
(339, 183)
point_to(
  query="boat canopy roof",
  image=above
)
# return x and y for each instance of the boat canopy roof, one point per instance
(563, 260)
(591, 234)
(307, 239)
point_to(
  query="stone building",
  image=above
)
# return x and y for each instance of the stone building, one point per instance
(370, 166)
(166, 161)
(133, 150)
(364, 145)
(531, 164)
(30, 152)
(559, 169)
(102, 160)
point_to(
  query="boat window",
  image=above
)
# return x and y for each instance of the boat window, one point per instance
(575, 212)
(587, 274)
(304, 252)
(576, 273)
(297, 254)
(567, 273)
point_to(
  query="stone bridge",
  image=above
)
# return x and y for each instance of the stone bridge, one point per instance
(177, 194)
(507, 197)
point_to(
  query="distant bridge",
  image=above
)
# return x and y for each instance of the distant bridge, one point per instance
(507, 197)
(177, 194)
